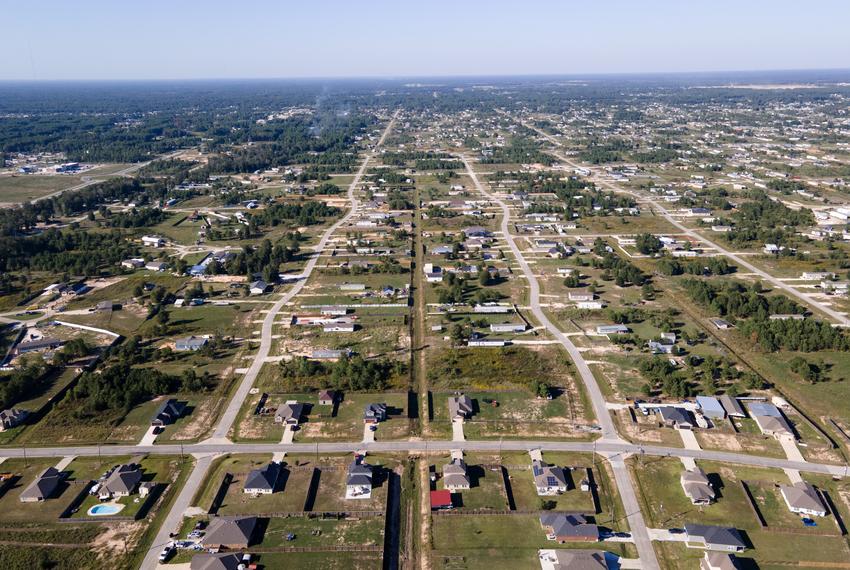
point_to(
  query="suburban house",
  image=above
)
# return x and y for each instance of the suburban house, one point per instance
(565, 527)
(134, 263)
(718, 561)
(11, 418)
(358, 483)
(679, 418)
(289, 413)
(549, 479)
(802, 498)
(258, 287)
(460, 407)
(168, 412)
(374, 413)
(721, 324)
(262, 481)
(233, 533)
(190, 343)
(717, 538)
(562, 558)
(122, 482)
(770, 420)
(507, 327)
(327, 398)
(221, 561)
(43, 486)
(441, 500)
(455, 476)
(697, 487)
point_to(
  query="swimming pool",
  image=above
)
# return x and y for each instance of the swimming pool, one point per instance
(107, 509)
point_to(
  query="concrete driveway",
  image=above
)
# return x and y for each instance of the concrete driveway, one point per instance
(457, 430)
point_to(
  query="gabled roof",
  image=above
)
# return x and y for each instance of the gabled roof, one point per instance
(44, 485)
(359, 473)
(579, 559)
(208, 561)
(696, 485)
(294, 411)
(715, 535)
(548, 475)
(803, 496)
(569, 525)
(124, 479)
(264, 478)
(676, 415)
(229, 530)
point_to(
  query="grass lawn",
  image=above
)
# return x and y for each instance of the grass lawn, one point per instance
(317, 532)
(336, 561)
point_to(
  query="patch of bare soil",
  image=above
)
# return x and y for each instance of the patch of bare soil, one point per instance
(715, 440)
(117, 538)
(201, 421)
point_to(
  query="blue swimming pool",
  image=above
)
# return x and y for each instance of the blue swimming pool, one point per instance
(101, 510)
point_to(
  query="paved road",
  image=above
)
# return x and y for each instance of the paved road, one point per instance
(228, 418)
(609, 432)
(839, 318)
(100, 178)
(175, 516)
(600, 446)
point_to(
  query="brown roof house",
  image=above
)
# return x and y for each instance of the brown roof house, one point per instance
(572, 559)
(209, 561)
(460, 407)
(230, 532)
(697, 487)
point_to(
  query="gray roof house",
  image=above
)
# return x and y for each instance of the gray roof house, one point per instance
(697, 487)
(358, 483)
(262, 481)
(258, 287)
(374, 413)
(802, 498)
(168, 412)
(222, 561)
(455, 477)
(717, 538)
(565, 527)
(122, 482)
(289, 413)
(679, 418)
(190, 343)
(770, 420)
(460, 407)
(230, 532)
(11, 418)
(549, 479)
(43, 486)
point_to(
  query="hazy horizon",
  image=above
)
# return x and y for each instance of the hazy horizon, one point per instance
(102, 41)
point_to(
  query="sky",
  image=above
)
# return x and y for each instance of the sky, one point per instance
(191, 39)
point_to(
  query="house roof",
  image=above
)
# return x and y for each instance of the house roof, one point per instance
(124, 479)
(715, 535)
(208, 561)
(802, 495)
(264, 478)
(548, 475)
(732, 405)
(170, 408)
(294, 411)
(460, 405)
(569, 525)
(327, 395)
(676, 415)
(579, 559)
(721, 561)
(229, 530)
(43, 486)
(696, 485)
(359, 472)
